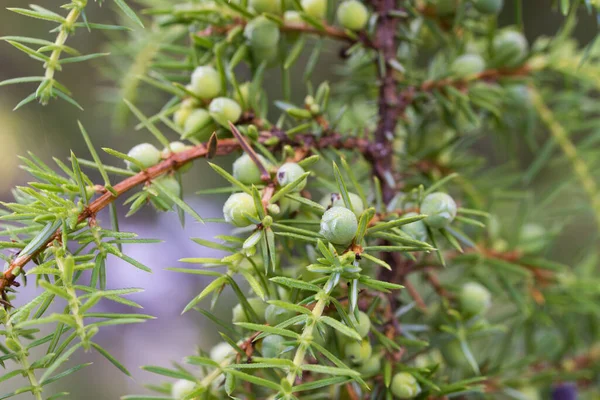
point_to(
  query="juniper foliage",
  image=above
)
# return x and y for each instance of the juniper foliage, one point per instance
(381, 255)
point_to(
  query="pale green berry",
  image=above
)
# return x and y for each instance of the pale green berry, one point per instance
(372, 366)
(364, 324)
(358, 352)
(336, 200)
(518, 96)
(440, 209)
(246, 171)
(339, 225)
(262, 33)
(315, 8)
(273, 347)
(170, 185)
(198, 125)
(224, 110)
(447, 7)
(257, 305)
(288, 173)
(270, 6)
(405, 386)
(533, 238)
(237, 206)
(288, 206)
(352, 14)
(146, 154)
(510, 48)
(467, 65)
(243, 96)
(292, 17)
(474, 298)
(416, 230)
(177, 147)
(275, 315)
(220, 352)
(454, 355)
(488, 6)
(206, 82)
(181, 115)
(181, 388)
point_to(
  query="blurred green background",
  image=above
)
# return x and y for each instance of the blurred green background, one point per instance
(52, 131)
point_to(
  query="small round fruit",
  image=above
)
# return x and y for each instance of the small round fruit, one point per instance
(206, 82)
(177, 147)
(454, 355)
(467, 65)
(440, 209)
(315, 8)
(288, 173)
(262, 33)
(292, 17)
(417, 230)
(220, 352)
(510, 48)
(336, 200)
(243, 96)
(371, 366)
(352, 14)
(270, 6)
(364, 324)
(533, 238)
(236, 207)
(518, 96)
(198, 124)
(246, 171)
(275, 315)
(474, 298)
(224, 110)
(358, 352)
(257, 305)
(181, 115)
(181, 388)
(171, 185)
(146, 154)
(405, 386)
(339, 225)
(273, 346)
(491, 7)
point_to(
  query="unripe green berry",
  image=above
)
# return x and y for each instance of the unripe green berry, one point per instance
(358, 352)
(364, 324)
(417, 230)
(288, 173)
(224, 110)
(246, 171)
(171, 185)
(336, 200)
(181, 115)
(146, 154)
(181, 388)
(288, 206)
(371, 366)
(405, 386)
(352, 14)
(275, 315)
(510, 48)
(440, 209)
(220, 352)
(339, 225)
(293, 17)
(474, 298)
(262, 33)
(518, 96)
(243, 97)
(198, 125)
(315, 8)
(257, 304)
(467, 65)
(491, 7)
(270, 6)
(533, 238)
(237, 206)
(177, 147)
(273, 346)
(206, 82)
(454, 355)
